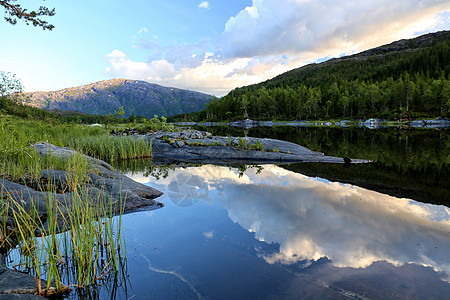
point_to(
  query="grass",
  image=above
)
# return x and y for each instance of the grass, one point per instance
(111, 148)
(94, 245)
(18, 160)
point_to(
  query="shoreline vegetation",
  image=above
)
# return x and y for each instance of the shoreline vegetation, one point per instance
(61, 229)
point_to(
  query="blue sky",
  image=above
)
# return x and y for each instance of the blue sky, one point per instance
(209, 46)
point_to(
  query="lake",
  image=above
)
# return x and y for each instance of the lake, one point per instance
(316, 231)
(273, 233)
(301, 230)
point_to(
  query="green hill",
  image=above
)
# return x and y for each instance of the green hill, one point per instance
(407, 77)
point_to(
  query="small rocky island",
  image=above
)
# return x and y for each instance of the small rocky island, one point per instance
(202, 146)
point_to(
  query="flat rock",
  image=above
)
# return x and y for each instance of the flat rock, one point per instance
(200, 145)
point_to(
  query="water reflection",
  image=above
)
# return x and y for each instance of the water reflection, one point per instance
(311, 218)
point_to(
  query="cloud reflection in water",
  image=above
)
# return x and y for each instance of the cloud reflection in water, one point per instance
(312, 218)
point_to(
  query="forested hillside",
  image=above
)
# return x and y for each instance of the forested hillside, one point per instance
(407, 77)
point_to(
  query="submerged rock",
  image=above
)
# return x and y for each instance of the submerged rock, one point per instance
(200, 145)
(16, 285)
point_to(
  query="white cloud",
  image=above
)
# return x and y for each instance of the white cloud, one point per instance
(207, 75)
(142, 30)
(253, 43)
(295, 26)
(209, 235)
(204, 5)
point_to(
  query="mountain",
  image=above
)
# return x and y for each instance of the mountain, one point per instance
(378, 63)
(104, 97)
(404, 79)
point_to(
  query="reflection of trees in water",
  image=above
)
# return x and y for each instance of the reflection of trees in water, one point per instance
(404, 149)
(409, 163)
(161, 171)
(243, 168)
(146, 167)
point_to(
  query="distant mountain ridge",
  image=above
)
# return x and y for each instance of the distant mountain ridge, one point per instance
(104, 97)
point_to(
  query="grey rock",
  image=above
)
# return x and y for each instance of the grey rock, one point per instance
(46, 149)
(105, 184)
(12, 282)
(20, 297)
(186, 123)
(178, 144)
(247, 123)
(183, 135)
(372, 123)
(266, 123)
(276, 151)
(437, 123)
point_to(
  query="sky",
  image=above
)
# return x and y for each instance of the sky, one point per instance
(209, 46)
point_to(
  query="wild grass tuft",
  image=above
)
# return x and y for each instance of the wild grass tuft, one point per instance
(111, 148)
(91, 249)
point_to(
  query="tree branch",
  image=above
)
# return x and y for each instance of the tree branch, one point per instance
(16, 12)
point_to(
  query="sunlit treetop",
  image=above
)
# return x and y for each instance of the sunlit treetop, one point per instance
(9, 84)
(14, 12)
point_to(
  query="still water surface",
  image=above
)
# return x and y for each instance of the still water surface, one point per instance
(272, 233)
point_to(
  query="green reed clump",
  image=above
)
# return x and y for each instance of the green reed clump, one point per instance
(30, 246)
(112, 148)
(94, 238)
(18, 160)
(92, 248)
(94, 245)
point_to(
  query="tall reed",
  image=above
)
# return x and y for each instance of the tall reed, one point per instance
(93, 247)
(111, 148)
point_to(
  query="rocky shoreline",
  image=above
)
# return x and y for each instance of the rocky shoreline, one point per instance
(104, 183)
(438, 123)
(200, 146)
